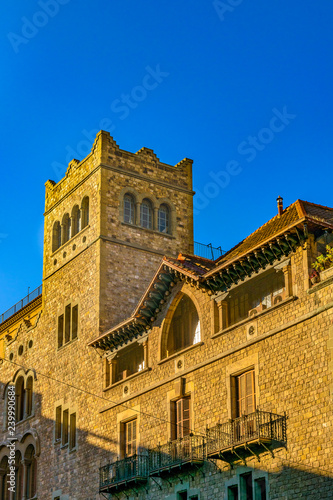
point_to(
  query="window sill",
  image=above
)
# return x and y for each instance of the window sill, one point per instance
(62, 247)
(179, 353)
(26, 419)
(67, 343)
(130, 377)
(151, 231)
(252, 318)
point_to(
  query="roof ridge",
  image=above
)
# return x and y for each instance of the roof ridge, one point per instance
(317, 205)
(277, 216)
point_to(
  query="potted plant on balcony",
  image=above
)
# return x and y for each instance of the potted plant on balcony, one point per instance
(324, 264)
(314, 276)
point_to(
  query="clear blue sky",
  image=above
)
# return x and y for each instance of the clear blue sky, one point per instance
(243, 88)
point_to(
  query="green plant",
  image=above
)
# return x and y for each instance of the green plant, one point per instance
(324, 261)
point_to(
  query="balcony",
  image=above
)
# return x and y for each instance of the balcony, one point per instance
(176, 454)
(247, 435)
(123, 473)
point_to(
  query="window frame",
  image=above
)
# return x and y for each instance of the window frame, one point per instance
(128, 197)
(164, 207)
(147, 219)
(67, 328)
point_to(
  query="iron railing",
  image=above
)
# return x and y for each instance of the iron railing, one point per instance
(134, 468)
(260, 425)
(22, 303)
(189, 449)
(207, 251)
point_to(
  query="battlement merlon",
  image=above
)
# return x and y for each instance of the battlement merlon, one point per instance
(106, 153)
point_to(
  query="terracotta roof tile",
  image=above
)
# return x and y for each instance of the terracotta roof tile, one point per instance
(278, 224)
(318, 212)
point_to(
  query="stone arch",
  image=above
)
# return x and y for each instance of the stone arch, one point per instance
(85, 211)
(76, 219)
(167, 323)
(56, 236)
(66, 228)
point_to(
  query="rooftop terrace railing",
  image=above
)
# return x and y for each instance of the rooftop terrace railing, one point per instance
(22, 303)
(207, 251)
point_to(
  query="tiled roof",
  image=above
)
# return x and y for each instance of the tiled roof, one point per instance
(318, 212)
(298, 212)
(273, 227)
(196, 266)
(280, 235)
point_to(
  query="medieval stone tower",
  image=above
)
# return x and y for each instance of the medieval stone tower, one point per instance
(107, 225)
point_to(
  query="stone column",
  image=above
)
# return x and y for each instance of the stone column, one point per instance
(137, 213)
(144, 341)
(25, 464)
(155, 219)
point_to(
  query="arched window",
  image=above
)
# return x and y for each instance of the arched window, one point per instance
(31, 472)
(129, 209)
(184, 328)
(19, 392)
(164, 219)
(85, 212)
(56, 236)
(28, 397)
(18, 476)
(66, 228)
(146, 214)
(4, 477)
(76, 220)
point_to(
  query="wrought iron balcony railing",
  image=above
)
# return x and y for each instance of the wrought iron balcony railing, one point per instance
(134, 469)
(187, 450)
(260, 429)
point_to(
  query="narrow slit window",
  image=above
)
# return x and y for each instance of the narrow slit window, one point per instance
(60, 330)
(74, 322)
(72, 432)
(57, 435)
(67, 323)
(65, 428)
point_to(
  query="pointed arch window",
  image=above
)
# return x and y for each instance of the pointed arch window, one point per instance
(129, 209)
(184, 329)
(56, 236)
(85, 212)
(76, 220)
(164, 219)
(146, 214)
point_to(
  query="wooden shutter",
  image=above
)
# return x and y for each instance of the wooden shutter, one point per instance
(183, 417)
(246, 396)
(130, 438)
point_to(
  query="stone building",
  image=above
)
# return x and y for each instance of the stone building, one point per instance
(141, 370)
